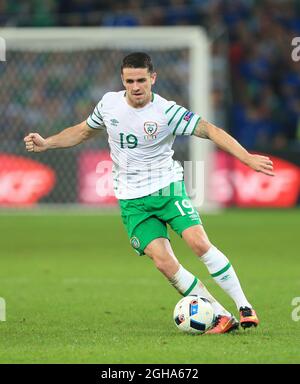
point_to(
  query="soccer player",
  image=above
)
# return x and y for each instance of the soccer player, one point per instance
(141, 127)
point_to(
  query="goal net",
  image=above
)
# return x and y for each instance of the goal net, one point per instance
(53, 78)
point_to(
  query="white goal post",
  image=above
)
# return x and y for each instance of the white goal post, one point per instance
(192, 39)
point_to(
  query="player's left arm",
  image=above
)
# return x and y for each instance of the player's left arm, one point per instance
(223, 140)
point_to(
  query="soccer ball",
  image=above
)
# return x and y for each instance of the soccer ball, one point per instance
(193, 314)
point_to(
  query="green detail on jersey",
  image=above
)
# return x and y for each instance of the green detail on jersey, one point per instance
(169, 109)
(170, 121)
(89, 125)
(96, 122)
(122, 140)
(195, 125)
(98, 113)
(186, 293)
(152, 99)
(180, 120)
(221, 271)
(131, 141)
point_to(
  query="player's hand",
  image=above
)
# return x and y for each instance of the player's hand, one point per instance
(261, 164)
(35, 143)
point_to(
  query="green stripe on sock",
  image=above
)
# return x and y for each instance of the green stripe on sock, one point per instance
(186, 293)
(221, 271)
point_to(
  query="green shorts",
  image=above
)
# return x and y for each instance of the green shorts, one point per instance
(146, 218)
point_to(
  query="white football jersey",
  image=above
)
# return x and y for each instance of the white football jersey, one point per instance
(141, 140)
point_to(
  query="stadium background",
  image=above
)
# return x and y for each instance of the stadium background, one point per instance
(255, 96)
(254, 92)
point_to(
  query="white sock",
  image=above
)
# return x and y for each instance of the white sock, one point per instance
(223, 273)
(188, 284)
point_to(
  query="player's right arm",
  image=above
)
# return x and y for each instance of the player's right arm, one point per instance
(69, 137)
(184, 122)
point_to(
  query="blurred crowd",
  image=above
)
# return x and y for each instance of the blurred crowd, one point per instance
(47, 91)
(251, 45)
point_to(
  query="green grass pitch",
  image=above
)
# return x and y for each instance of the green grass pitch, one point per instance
(76, 292)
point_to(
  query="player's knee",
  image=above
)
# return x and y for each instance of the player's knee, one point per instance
(200, 245)
(166, 264)
(161, 264)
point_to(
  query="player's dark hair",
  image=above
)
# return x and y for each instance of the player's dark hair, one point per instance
(137, 60)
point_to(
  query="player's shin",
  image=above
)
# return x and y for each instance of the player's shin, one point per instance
(187, 284)
(223, 273)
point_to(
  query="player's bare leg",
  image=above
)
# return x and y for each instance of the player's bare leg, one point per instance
(222, 272)
(160, 251)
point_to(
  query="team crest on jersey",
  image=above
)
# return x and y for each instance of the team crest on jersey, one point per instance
(150, 127)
